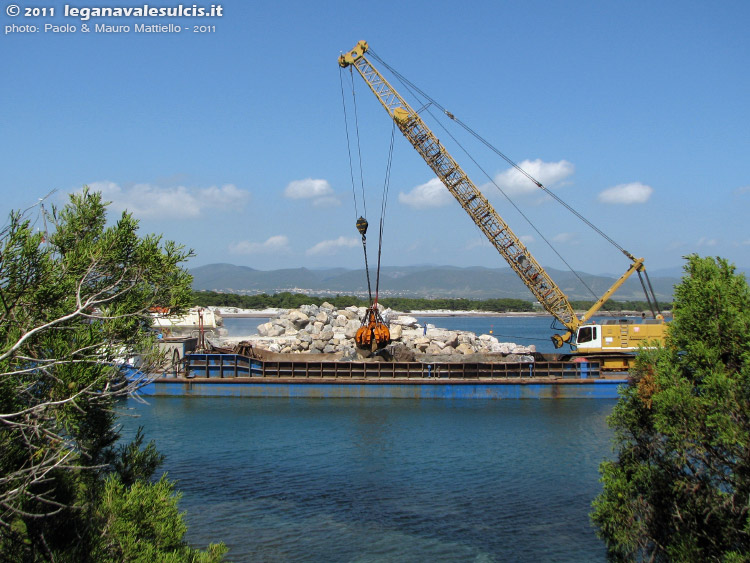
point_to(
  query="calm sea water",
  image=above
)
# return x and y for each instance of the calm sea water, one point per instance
(386, 480)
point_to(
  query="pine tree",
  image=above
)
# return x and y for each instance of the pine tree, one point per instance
(74, 303)
(679, 487)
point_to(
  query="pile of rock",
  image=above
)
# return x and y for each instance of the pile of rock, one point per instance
(324, 329)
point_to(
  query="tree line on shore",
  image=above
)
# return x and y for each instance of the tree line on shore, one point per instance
(288, 300)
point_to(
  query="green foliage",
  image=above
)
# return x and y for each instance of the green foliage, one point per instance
(616, 306)
(129, 536)
(73, 304)
(134, 464)
(679, 488)
(286, 300)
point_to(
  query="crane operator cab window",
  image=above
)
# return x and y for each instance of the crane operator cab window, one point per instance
(586, 334)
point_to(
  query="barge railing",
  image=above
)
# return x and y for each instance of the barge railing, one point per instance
(233, 366)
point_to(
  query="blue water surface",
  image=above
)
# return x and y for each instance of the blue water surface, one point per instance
(384, 480)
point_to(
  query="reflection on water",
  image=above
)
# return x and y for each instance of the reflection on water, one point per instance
(379, 479)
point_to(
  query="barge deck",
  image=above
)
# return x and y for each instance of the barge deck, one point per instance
(242, 376)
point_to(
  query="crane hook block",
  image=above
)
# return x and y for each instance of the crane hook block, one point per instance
(362, 226)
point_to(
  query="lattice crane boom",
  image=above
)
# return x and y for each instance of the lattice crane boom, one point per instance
(471, 199)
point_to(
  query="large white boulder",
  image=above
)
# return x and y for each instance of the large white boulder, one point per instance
(405, 320)
(351, 328)
(298, 318)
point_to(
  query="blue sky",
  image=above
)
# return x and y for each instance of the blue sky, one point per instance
(233, 142)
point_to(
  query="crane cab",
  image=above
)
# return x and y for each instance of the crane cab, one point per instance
(619, 335)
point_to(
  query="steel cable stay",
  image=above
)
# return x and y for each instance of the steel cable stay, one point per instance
(425, 107)
(416, 92)
(413, 87)
(515, 206)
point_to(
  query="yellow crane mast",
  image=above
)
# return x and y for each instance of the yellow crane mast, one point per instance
(471, 199)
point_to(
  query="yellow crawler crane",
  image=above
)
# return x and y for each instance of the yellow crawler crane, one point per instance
(614, 343)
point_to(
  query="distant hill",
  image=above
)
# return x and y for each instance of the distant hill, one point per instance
(413, 281)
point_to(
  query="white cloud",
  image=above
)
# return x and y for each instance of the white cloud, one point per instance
(329, 247)
(274, 244)
(527, 239)
(149, 201)
(318, 190)
(326, 202)
(676, 245)
(431, 194)
(477, 243)
(742, 190)
(564, 238)
(708, 242)
(626, 194)
(227, 196)
(513, 182)
(307, 189)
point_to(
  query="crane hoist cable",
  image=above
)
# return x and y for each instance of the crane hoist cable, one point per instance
(348, 143)
(383, 206)
(373, 332)
(361, 222)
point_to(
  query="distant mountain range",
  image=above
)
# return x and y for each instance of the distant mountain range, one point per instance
(415, 281)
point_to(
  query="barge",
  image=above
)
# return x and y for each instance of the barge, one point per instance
(239, 375)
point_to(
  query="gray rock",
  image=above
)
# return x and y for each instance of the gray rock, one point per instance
(326, 334)
(298, 318)
(264, 328)
(309, 310)
(404, 320)
(351, 328)
(275, 330)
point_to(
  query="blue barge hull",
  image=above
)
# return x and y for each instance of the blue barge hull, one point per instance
(234, 375)
(595, 389)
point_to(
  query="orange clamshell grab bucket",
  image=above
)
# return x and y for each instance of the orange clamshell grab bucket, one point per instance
(373, 332)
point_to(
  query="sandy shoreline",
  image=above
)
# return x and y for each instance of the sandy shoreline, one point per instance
(269, 313)
(438, 313)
